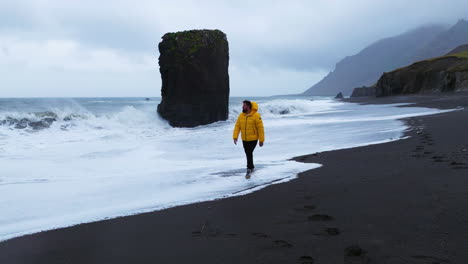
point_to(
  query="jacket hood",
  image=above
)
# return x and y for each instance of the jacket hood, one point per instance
(254, 107)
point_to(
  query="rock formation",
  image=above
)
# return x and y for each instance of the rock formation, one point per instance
(195, 80)
(363, 91)
(339, 96)
(441, 74)
(42, 120)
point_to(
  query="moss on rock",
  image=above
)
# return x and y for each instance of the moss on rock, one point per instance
(185, 44)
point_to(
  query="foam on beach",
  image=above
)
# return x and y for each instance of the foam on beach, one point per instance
(101, 158)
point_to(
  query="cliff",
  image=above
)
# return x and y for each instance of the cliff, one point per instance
(195, 80)
(440, 74)
(363, 91)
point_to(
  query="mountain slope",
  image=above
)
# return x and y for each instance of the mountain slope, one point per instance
(459, 49)
(445, 41)
(365, 68)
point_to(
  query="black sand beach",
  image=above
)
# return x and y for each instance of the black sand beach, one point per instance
(399, 202)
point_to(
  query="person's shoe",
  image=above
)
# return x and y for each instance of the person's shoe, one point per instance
(249, 172)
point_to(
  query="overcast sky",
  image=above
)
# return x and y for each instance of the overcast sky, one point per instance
(63, 48)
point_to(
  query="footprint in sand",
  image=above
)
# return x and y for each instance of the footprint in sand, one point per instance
(354, 251)
(430, 259)
(306, 260)
(458, 165)
(426, 141)
(208, 230)
(305, 208)
(216, 233)
(355, 254)
(437, 158)
(320, 217)
(196, 233)
(282, 243)
(259, 235)
(331, 231)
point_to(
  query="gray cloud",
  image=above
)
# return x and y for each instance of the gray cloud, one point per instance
(293, 37)
(14, 17)
(5, 51)
(115, 34)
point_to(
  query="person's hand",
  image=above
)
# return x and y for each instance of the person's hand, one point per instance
(235, 141)
(261, 144)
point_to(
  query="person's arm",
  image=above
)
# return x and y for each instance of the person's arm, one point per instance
(260, 129)
(235, 134)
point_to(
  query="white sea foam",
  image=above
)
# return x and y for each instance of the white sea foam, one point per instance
(105, 158)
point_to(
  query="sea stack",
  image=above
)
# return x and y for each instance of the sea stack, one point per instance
(195, 80)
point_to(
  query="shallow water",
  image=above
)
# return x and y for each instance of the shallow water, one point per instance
(70, 161)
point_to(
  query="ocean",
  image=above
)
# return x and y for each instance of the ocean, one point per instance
(65, 161)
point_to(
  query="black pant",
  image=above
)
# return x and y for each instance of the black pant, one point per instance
(249, 147)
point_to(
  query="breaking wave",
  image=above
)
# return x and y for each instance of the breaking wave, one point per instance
(283, 107)
(65, 119)
(68, 119)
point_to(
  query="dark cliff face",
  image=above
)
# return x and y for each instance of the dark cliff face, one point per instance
(364, 92)
(443, 74)
(195, 80)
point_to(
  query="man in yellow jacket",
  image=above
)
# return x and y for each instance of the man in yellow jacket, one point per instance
(250, 125)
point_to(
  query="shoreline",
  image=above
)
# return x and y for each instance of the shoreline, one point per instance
(310, 217)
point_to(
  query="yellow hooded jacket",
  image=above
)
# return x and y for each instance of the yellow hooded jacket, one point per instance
(250, 125)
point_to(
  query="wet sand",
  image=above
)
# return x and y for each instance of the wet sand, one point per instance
(399, 202)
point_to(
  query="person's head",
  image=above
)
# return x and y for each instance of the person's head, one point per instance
(246, 106)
